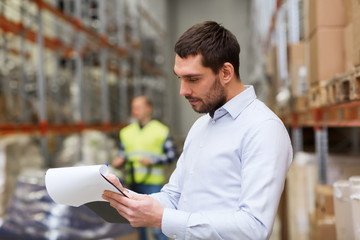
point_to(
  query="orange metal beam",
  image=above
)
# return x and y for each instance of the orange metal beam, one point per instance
(338, 115)
(62, 129)
(16, 28)
(77, 24)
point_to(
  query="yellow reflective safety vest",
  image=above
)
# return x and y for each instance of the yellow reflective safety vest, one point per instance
(141, 143)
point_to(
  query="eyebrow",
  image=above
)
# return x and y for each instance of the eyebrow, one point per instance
(189, 75)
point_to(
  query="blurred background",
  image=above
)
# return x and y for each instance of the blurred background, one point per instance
(69, 69)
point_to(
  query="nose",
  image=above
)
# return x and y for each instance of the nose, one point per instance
(184, 89)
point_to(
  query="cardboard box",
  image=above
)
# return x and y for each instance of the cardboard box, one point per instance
(272, 73)
(356, 31)
(348, 11)
(296, 60)
(300, 103)
(324, 202)
(325, 13)
(271, 62)
(326, 55)
(296, 54)
(349, 47)
(325, 229)
(305, 19)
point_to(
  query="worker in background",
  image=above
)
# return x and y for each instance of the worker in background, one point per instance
(228, 180)
(145, 146)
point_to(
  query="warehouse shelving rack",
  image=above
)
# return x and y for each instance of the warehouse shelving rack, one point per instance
(330, 109)
(339, 108)
(320, 119)
(119, 56)
(336, 104)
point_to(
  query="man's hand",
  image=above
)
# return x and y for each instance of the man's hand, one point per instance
(115, 180)
(118, 162)
(146, 161)
(139, 210)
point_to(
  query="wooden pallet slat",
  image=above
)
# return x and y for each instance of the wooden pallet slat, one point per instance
(314, 96)
(344, 88)
(355, 85)
(330, 89)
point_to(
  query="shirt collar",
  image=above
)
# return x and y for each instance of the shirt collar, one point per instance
(237, 104)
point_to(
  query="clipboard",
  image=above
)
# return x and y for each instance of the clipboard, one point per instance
(83, 185)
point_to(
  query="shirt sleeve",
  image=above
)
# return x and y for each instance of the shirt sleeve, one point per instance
(121, 150)
(266, 155)
(169, 152)
(170, 194)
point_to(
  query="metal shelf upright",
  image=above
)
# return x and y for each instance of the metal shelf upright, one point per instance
(336, 115)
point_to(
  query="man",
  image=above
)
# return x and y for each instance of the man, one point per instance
(230, 176)
(144, 148)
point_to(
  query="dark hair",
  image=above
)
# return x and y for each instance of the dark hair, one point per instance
(215, 43)
(147, 100)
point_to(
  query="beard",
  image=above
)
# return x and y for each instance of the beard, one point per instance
(215, 98)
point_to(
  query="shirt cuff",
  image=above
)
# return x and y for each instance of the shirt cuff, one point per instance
(174, 223)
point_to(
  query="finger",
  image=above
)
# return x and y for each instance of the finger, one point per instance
(126, 212)
(121, 209)
(114, 180)
(110, 195)
(115, 201)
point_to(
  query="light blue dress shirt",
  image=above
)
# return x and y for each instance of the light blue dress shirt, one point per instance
(228, 180)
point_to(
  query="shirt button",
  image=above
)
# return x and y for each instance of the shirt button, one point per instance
(185, 200)
(213, 121)
(174, 236)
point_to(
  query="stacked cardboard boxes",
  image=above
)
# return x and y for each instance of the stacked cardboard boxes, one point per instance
(356, 31)
(297, 76)
(272, 74)
(324, 67)
(323, 224)
(352, 34)
(324, 45)
(349, 36)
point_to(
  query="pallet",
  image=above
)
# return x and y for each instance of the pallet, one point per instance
(343, 88)
(338, 89)
(315, 96)
(355, 85)
(299, 104)
(331, 91)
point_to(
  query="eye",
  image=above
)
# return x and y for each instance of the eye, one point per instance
(193, 79)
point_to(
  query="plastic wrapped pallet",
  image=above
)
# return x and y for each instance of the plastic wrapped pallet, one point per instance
(301, 183)
(355, 204)
(95, 146)
(300, 188)
(2, 179)
(13, 162)
(343, 212)
(33, 215)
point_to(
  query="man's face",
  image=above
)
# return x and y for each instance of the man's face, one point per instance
(199, 85)
(139, 109)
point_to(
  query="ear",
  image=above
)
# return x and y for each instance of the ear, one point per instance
(227, 73)
(149, 109)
